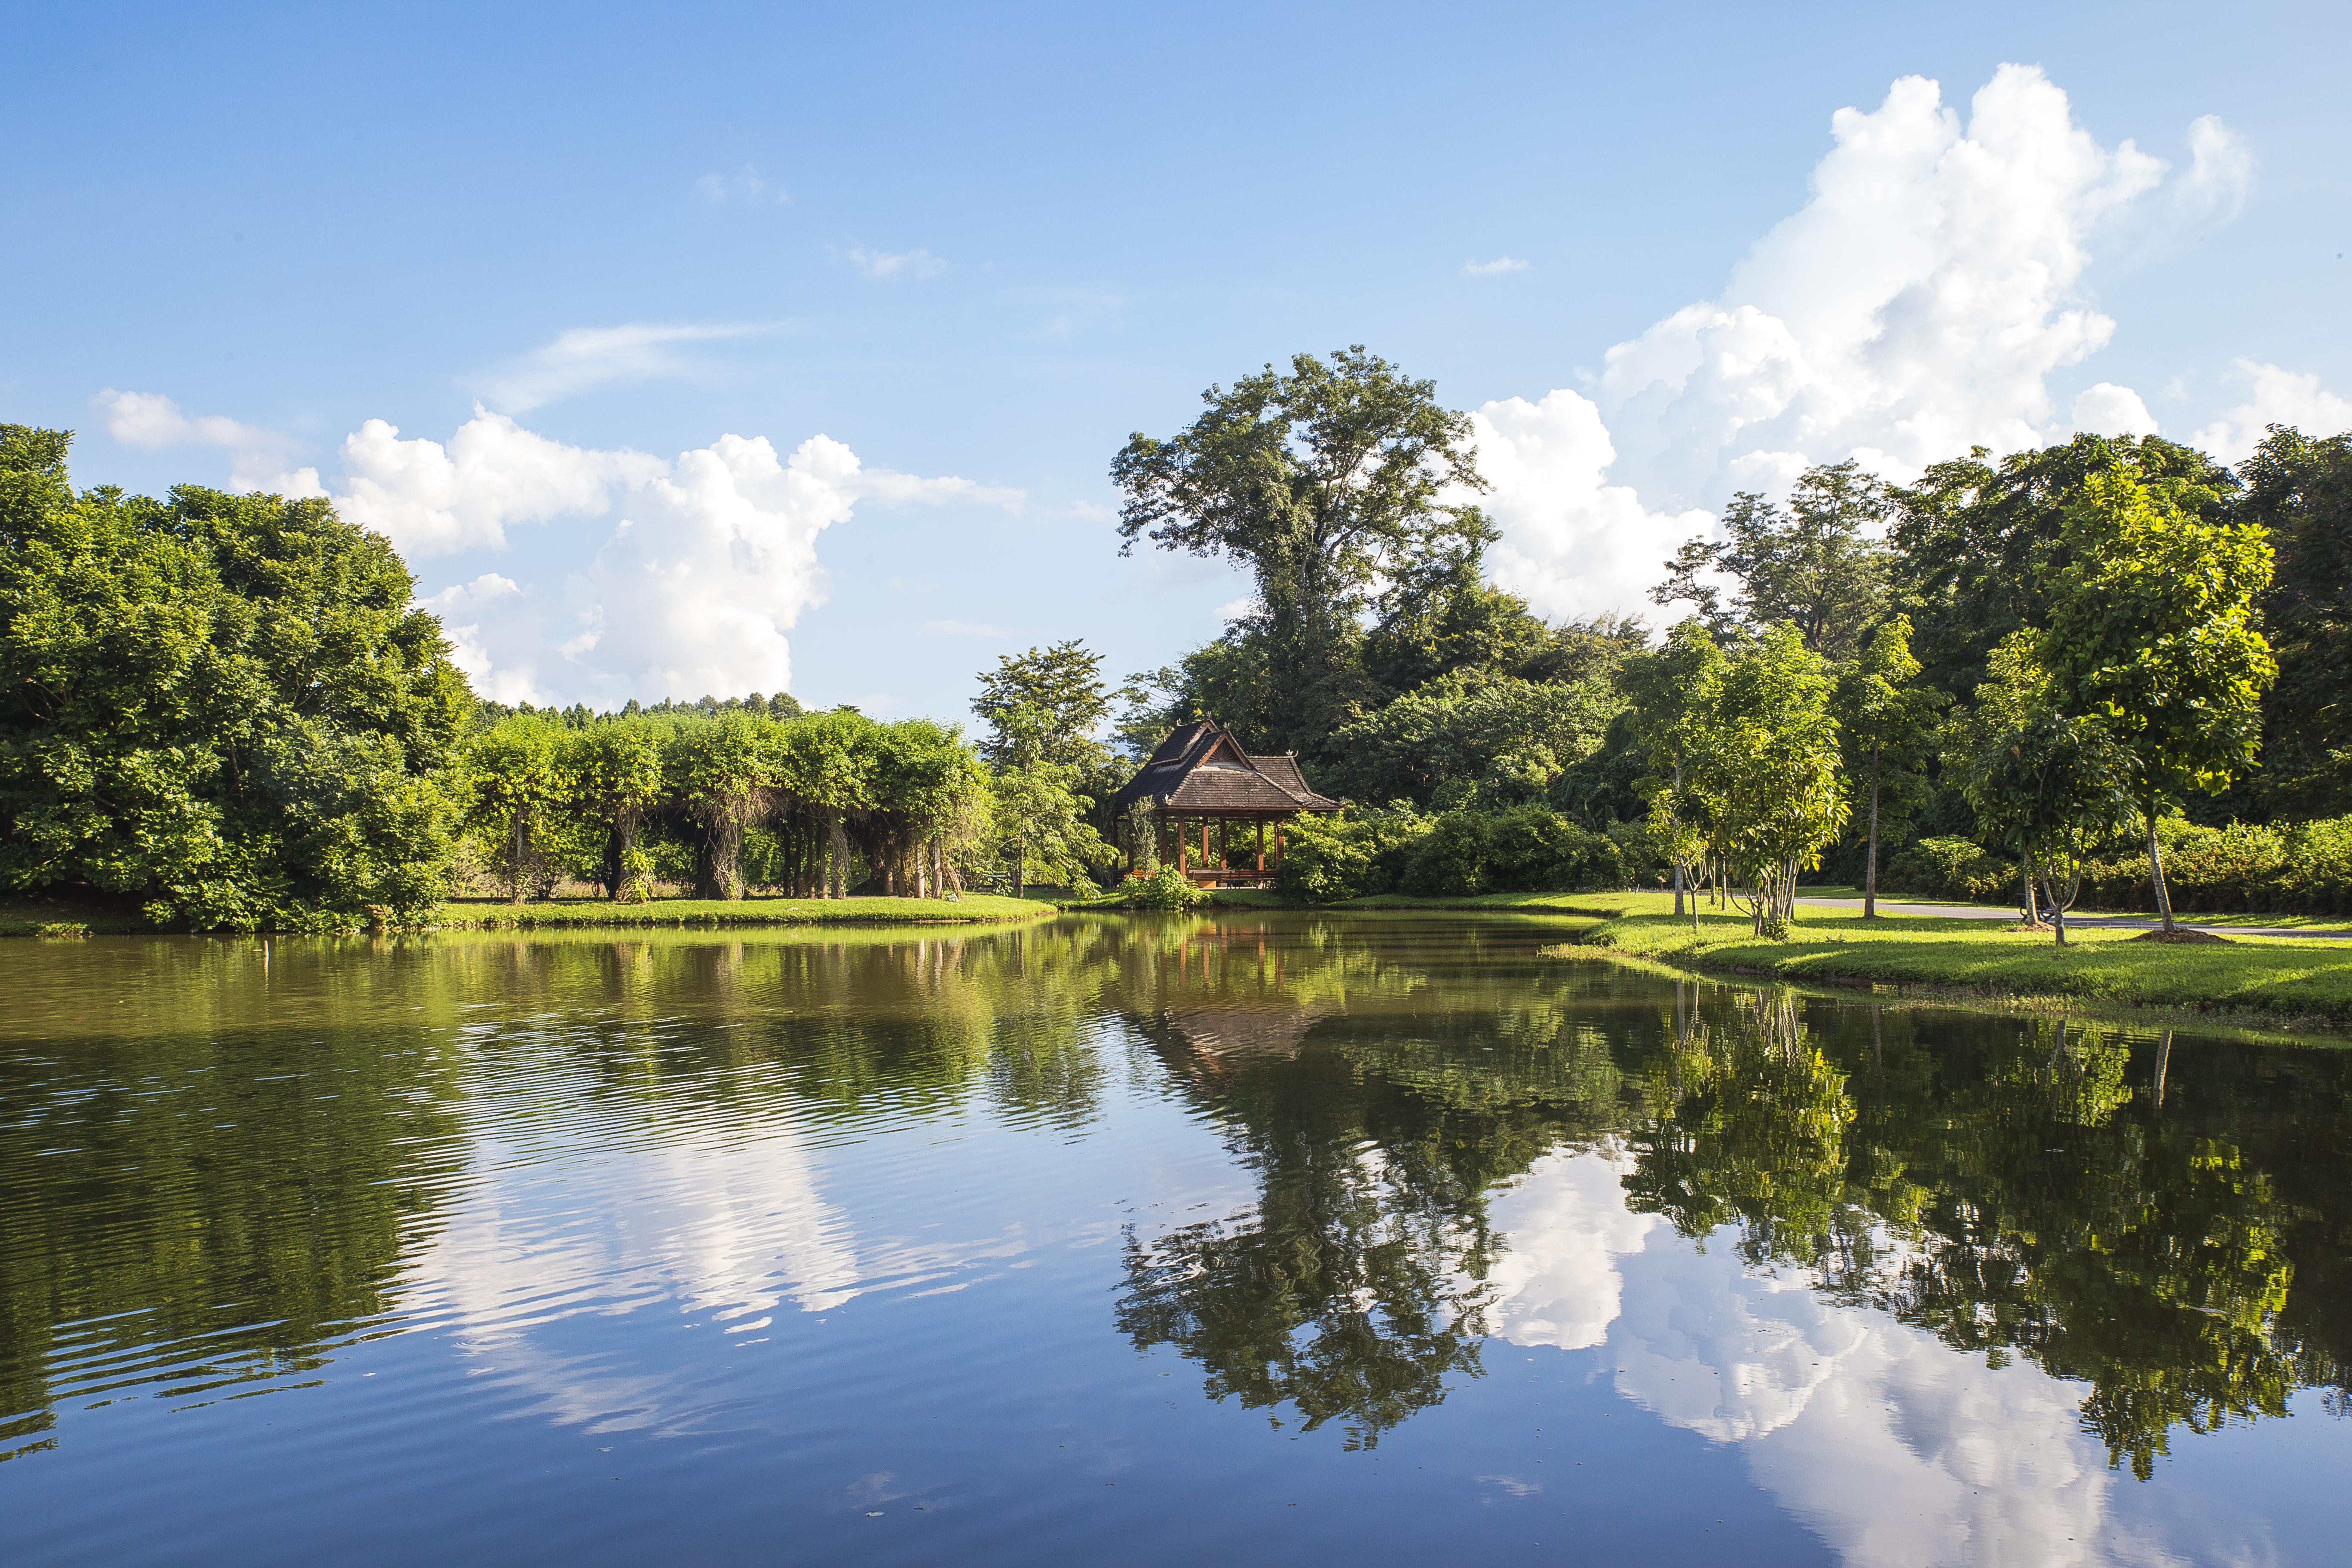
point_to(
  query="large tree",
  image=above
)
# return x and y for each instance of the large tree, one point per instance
(2154, 633)
(1980, 545)
(1338, 486)
(2301, 491)
(1817, 563)
(224, 707)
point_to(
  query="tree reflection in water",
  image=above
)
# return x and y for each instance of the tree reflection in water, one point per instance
(2017, 1187)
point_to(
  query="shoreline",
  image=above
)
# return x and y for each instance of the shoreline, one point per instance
(2269, 985)
(66, 920)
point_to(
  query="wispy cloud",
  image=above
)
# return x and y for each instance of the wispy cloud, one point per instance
(1494, 268)
(585, 358)
(913, 489)
(745, 187)
(968, 629)
(915, 263)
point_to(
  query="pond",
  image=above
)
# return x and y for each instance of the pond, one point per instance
(1150, 1240)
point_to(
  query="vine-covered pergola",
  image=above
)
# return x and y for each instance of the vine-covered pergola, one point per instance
(1196, 788)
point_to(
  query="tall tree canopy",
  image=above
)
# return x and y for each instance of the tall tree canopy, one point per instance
(223, 706)
(2301, 491)
(1336, 485)
(1816, 565)
(2154, 633)
(1979, 545)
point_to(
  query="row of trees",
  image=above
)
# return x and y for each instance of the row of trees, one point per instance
(2044, 652)
(822, 802)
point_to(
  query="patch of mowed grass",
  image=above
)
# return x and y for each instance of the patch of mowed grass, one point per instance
(972, 909)
(2279, 978)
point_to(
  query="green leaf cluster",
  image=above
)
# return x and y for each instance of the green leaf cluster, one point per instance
(226, 709)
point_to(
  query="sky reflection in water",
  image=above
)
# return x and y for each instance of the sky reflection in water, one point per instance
(1144, 1239)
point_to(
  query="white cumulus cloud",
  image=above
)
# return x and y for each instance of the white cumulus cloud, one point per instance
(154, 421)
(431, 500)
(709, 559)
(2273, 395)
(1494, 268)
(2106, 409)
(1573, 543)
(1919, 303)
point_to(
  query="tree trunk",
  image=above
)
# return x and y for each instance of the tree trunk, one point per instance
(1672, 821)
(719, 862)
(837, 858)
(2155, 873)
(1870, 861)
(2025, 872)
(1019, 865)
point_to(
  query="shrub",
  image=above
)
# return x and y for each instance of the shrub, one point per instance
(1349, 854)
(1949, 868)
(1166, 888)
(1534, 850)
(2315, 878)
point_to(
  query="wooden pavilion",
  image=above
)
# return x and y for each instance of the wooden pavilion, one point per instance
(1199, 778)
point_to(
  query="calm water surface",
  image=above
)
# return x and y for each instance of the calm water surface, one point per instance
(1251, 1238)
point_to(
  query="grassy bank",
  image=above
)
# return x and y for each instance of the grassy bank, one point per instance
(2272, 981)
(60, 917)
(489, 914)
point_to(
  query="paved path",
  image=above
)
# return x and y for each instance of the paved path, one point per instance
(2119, 922)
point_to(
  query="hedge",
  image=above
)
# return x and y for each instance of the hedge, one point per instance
(2294, 868)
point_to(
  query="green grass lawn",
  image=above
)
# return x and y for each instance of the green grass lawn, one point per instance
(49, 917)
(2272, 979)
(497, 914)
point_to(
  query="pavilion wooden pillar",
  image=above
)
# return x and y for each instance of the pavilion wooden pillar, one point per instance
(1224, 851)
(1184, 850)
(1204, 841)
(1261, 846)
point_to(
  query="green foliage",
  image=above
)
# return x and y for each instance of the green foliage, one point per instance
(1764, 768)
(1329, 484)
(1527, 848)
(1979, 546)
(222, 706)
(1816, 566)
(1042, 710)
(1495, 741)
(1165, 889)
(1456, 854)
(2044, 784)
(2154, 637)
(2300, 490)
(1946, 868)
(1886, 721)
(1350, 854)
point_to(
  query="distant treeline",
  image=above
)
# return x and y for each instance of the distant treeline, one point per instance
(229, 710)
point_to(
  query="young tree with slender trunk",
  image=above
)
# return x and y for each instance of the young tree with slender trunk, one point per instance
(1765, 765)
(2155, 634)
(2046, 783)
(1669, 690)
(1885, 720)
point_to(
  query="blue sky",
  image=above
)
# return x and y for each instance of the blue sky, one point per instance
(578, 250)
